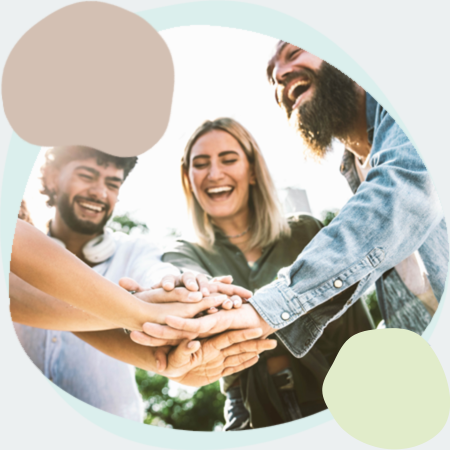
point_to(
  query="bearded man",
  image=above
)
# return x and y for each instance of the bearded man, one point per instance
(392, 232)
(83, 185)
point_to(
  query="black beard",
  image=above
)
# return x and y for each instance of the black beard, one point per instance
(80, 226)
(331, 112)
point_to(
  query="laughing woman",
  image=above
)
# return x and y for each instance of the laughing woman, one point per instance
(241, 232)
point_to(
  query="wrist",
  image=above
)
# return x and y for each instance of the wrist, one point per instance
(142, 312)
(266, 328)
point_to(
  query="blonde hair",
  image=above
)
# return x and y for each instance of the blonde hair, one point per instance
(267, 221)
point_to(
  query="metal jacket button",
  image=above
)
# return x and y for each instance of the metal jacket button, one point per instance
(338, 283)
(285, 316)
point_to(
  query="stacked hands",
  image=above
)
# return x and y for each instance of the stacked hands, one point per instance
(190, 334)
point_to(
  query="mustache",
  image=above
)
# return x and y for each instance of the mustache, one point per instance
(91, 200)
(280, 92)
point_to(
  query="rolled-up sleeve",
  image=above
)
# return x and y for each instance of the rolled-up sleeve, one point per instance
(390, 216)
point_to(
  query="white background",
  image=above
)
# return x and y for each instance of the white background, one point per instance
(218, 72)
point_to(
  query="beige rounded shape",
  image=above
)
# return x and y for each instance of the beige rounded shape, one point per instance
(90, 74)
(285, 316)
(338, 284)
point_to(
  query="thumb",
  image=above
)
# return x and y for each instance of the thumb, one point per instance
(161, 358)
(181, 355)
(130, 285)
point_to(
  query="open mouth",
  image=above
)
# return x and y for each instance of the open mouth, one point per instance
(219, 192)
(91, 207)
(296, 91)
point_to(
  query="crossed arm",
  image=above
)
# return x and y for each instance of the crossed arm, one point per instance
(192, 362)
(50, 295)
(52, 270)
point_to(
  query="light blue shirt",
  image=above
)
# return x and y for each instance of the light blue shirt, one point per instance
(80, 369)
(393, 213)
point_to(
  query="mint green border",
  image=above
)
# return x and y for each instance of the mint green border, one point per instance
(21, 157)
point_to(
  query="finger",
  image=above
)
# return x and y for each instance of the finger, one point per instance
(227, 304)
(167, 283)
(166, 333)
(237, 360)
(212, 310)
(149, 341)
(142, 339)
(161, 358)
(231, 289)
(245, 365)
(203, 282)
(181, 355)
(237, 301)
(196, 326)
(230, 338)
(176, 295)
(189, 282)
(130, 285)
(227, 279)
(209, 302)
(255, 345)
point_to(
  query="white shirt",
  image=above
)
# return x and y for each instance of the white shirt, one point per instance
(78, 368)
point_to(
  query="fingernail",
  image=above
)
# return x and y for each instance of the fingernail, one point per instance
(168, 285)
(191, 344)
(205, 292)
(195, 296)
(192, 284)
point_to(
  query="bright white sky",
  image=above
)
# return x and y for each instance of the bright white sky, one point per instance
(218, 72)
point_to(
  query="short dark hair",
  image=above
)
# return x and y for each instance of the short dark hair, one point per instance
(24, 214)
(271, 64)
(57, 157)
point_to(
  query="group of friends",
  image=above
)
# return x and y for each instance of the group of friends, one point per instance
(261, 301)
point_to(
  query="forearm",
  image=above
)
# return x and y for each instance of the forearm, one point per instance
(32, 307)
(48, 267)
(390, 217)
(118, 345)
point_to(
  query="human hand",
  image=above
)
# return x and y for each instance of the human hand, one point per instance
(178, 302)
(180, 294)
(155, 335)
(201, 283)
(195, 363)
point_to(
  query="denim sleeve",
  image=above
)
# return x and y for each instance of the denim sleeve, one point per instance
(390, 216)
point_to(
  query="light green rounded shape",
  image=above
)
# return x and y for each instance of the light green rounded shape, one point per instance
(387, 388)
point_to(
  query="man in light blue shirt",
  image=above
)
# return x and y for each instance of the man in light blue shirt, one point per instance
(83, 185)
(392, 232)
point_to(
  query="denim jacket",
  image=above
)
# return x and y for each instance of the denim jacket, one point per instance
(393, 213)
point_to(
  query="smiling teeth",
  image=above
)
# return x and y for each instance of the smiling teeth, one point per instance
(91, 207)
(291, 95)
(218, 190)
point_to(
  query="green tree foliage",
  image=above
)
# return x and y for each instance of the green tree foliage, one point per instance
(328, 216)
(201, 410)
(125, 224)
(178, 408)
